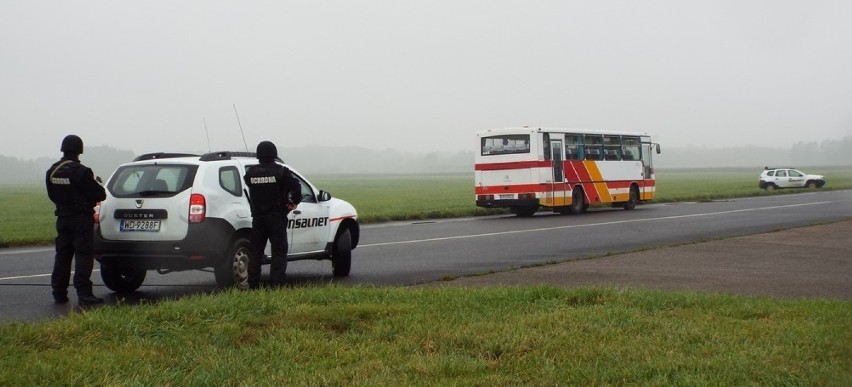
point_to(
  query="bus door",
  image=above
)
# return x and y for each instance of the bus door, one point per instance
(557, 187)
(648, 149)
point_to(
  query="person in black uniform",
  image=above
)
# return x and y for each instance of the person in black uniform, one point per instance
(74, 190)
(273, 193)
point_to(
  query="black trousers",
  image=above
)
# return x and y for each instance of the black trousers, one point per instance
(271, 227)
(74, 241)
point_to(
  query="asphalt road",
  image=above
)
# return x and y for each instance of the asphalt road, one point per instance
(803, 262)
(407, 253)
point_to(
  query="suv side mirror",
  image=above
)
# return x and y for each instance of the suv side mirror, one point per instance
(324, 196)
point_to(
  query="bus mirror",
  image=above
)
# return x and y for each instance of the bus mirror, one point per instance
(658, 148)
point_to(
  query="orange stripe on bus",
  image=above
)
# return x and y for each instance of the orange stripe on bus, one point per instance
(599, 185)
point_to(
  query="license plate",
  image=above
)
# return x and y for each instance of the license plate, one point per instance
(139, 225)
(509, 196)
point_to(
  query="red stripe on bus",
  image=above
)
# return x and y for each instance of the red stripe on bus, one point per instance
(588, 187)
(581, 173)
(512, 165)
(506, 189)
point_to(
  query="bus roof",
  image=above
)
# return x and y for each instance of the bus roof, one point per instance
(533, 129)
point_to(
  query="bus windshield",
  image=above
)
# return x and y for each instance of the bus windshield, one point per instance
(507, 144)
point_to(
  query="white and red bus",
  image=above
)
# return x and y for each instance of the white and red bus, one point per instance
(565, 170)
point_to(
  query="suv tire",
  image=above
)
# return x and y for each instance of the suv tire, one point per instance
(122, 279)
(341, 261)
(234, 269)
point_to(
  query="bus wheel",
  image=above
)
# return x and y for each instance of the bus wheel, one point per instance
(524, 211)
(578, 202)
(634, 199)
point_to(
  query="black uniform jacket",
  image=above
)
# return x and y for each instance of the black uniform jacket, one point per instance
(72, 187)
(271, 187)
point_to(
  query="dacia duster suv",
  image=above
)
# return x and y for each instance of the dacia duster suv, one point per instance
(172, 212)
(773, 178)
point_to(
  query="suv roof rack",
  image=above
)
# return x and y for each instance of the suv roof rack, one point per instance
(225, 155)
(228, 155)
(162, 155)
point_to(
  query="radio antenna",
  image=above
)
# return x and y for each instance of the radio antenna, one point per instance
(241, 127)
(207, 133)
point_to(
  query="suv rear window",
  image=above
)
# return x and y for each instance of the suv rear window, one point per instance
(160, 180)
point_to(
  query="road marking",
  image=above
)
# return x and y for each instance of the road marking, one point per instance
(37, 275)
(586, 225)
(25, 251)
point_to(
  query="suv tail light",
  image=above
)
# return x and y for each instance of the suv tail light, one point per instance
(197, 208)
(97, 215)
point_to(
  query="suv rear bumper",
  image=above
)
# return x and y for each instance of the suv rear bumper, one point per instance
(205, 245)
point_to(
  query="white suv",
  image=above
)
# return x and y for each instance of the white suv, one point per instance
(171, 212)
(773, 178)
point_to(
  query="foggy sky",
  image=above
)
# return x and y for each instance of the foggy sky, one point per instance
(419, 75)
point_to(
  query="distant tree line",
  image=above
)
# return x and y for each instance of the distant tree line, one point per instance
(828, 152)
(317, 159)
(308, 160)
(801, 154)
(102, 159)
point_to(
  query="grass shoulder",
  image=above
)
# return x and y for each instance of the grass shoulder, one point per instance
(538, 335)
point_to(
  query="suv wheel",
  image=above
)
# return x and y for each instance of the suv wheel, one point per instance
(234, 270)
(122, 279)
(771, 187)
(341, 261)
(811, 184)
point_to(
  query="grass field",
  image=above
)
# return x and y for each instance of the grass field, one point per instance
(495, 336)
(28, 214)
(331, 335)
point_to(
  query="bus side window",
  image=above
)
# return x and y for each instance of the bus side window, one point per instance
(593, 154)
(612, 147)
(594, 147)
(631, 148)
(573, 147)
(611, 154)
